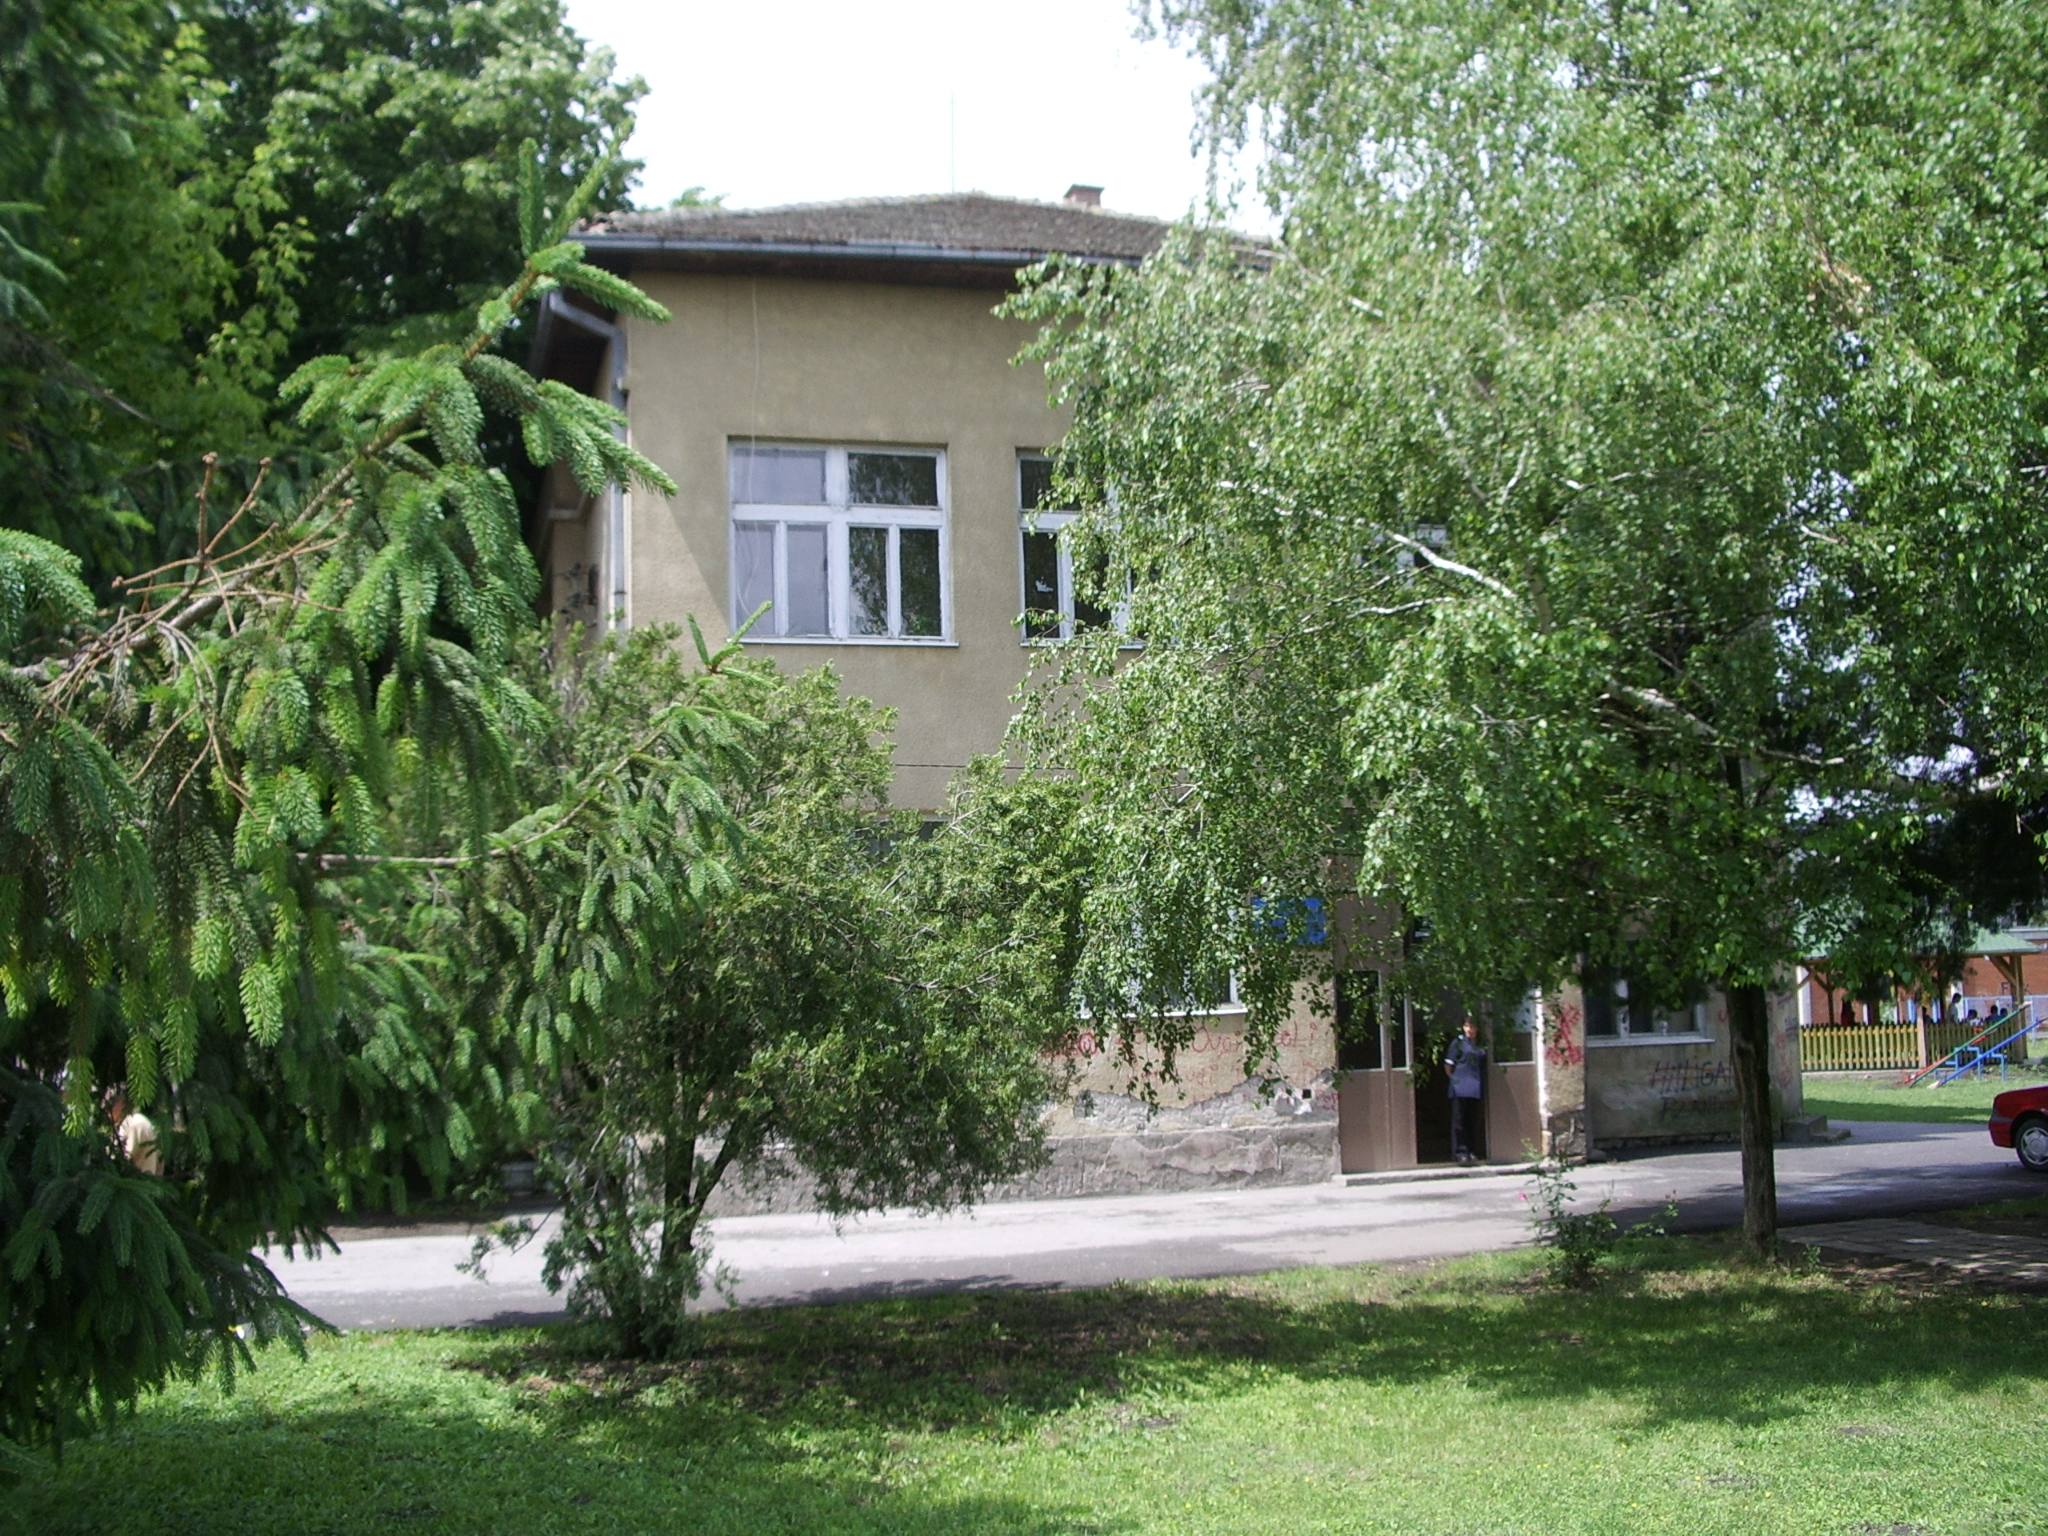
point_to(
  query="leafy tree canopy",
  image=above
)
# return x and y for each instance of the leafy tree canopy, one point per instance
(196, 199)
(1605, 522)
(123, 343)
(388, 127)
(856, 1004)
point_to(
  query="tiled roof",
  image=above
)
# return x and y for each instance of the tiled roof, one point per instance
(969, 225)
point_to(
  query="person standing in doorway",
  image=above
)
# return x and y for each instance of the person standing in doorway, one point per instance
(1465, 1062)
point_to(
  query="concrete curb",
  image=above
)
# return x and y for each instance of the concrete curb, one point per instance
(1432, 1175)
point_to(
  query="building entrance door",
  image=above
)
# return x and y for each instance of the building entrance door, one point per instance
(1375, 1103)
(1433, 1117)
(1387, 1119)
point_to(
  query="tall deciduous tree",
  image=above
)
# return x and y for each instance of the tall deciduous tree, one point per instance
(134, 339)
(389, 131)
(1612, 511)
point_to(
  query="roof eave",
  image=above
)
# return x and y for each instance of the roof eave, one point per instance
(874, 261)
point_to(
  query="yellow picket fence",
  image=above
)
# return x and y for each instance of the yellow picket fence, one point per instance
(1943, 1039)
(1882, 1047)
(1860, 1047)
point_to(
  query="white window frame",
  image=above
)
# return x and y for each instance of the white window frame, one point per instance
(1232, 1005)
(840, 516)
(1055, 522)
(1052, 523)
(1627, 1034)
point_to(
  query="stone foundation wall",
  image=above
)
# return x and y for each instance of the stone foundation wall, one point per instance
(1211, 1127)
(1109, 1144)
(1166, 1162)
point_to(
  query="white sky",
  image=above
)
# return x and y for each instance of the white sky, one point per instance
(784, 101)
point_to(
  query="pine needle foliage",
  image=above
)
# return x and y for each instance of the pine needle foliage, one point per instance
(224, 802)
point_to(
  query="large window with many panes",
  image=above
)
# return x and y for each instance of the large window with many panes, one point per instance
(839, 543)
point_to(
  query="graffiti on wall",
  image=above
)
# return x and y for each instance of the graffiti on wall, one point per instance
(1564, 1042)
(1687, 1088)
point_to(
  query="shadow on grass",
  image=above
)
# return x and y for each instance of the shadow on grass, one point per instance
(850, 1419)
(407, 1460)
(2024, 1217)
(1684, 1339)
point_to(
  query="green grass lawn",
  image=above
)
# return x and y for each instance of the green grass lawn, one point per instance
(1681, 1396)
(1878, 1096)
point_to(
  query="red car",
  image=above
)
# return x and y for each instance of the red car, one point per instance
(2020, 1120)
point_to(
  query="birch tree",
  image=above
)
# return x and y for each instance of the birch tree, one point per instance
(1607, 517)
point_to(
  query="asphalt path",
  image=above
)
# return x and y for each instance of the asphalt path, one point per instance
(408, 1279)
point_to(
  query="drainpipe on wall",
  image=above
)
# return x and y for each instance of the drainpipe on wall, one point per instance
(555, 308)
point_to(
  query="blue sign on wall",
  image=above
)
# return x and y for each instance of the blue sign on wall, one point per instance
(1307, 911)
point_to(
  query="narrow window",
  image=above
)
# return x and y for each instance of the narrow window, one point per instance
(918, 558)
(1059, 595)
(1093, 578)
(1602, 1018)
(1358, 1021)
(809, 610)
(868, 579)
(1041, 586)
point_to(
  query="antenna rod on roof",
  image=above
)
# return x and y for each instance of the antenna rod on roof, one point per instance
(953, 141)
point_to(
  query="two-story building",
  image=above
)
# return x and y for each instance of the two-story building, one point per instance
(859, 459)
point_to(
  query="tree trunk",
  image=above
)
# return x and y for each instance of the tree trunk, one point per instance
(682, 1201)
(1749, 1024)
(678, 1203)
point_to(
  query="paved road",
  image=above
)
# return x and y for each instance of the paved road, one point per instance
(409, 1280)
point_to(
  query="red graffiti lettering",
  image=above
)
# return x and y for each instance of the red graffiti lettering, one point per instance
(1562, 1045)
(1084, 1045)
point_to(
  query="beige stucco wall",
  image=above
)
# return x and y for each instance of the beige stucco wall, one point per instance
(1210, 1087)
(1650, 1088)
(844, 363)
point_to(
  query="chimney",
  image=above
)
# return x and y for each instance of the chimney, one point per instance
(1083, 197)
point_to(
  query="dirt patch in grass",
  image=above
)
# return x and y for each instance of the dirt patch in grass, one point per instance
(1915, 1282)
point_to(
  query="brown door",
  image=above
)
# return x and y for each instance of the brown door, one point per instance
(1375, 1106)
(1514, 1113)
